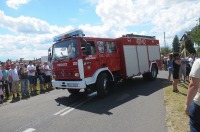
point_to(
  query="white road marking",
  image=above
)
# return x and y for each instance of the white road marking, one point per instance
(29, 130)
(66, 112)
(75, 105)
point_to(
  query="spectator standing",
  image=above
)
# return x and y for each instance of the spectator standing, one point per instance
(5, 81)
(47, 76)
(1, 91)
(35, 78)
(170, 66)
(24, 80)
(192, 107)
(14, 78)
(191, 60)
(39, 74)
(31, 77)
(176, 66)
(183, 68)
(8, 66)
(165, 63)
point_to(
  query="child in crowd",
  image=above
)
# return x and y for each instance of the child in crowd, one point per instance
(1, 92)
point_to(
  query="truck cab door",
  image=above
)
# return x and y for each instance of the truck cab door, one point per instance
(89, 54)
(112, 56)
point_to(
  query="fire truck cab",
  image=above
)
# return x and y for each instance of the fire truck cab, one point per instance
(80, 62)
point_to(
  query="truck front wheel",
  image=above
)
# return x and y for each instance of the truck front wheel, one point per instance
(102, 85)
(73, 91)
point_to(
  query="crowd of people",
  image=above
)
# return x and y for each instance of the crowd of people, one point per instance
(28, 76)
(178, 64)
(184, 69)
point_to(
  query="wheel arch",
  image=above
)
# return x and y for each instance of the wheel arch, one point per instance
(93, 79)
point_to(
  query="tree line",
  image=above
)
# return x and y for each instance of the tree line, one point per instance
(187, 42)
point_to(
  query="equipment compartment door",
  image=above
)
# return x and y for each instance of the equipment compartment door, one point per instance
(143, 58)
(154, 53)
(131, 60)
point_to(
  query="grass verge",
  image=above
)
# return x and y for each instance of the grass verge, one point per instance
(177, 120)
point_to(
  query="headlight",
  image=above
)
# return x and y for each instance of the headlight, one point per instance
(76, 74)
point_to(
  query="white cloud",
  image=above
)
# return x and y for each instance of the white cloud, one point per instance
(172, 17)
(24, 46)
(32, 36)
(93, 2)
(29, 25)
(15, 4)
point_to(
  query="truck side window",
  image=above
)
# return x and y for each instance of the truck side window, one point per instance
(110, 47)
(100, 47)
(92, 49)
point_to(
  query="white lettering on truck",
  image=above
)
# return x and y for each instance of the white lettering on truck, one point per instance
(62, 64)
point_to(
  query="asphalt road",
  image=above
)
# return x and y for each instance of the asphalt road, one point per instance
(133, 106)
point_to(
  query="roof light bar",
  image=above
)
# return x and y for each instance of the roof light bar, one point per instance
(69, 34)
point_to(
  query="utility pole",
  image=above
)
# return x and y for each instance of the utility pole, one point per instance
(164, 40)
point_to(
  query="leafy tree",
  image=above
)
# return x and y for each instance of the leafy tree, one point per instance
(165, 50)
(189, 45)
(194, 34)
(176, 45)
(198, 51)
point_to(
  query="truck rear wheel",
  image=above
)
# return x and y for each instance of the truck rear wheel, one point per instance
(150, 76)
(102, 85)
(73, 91)
(153, 73)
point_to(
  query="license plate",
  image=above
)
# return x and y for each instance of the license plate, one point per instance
(72, 84)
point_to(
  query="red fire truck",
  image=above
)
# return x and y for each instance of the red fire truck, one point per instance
(80, 62)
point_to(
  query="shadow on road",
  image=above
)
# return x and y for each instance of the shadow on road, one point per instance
(122, 93)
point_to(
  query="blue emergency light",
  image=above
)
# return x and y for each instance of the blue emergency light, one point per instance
(68, 34)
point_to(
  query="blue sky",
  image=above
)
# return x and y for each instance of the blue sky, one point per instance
(27, 27)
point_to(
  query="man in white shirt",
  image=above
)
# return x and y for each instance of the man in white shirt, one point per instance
(191, 60)
(192, 107)
(47, 76)
(31, 76)
(14, 79)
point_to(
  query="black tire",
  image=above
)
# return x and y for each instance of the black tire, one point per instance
(153, 73)
(145, 76)
(102, 85)
(150, 76)
(73, 91)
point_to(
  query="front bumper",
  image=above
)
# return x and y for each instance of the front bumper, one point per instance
(69, 84)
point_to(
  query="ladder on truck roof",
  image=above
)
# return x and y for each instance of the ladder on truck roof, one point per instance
(138, 36)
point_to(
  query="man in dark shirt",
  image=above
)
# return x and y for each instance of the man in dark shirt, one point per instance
(24, 80)
(39, 75)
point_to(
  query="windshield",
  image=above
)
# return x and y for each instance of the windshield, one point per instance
(67, 49)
